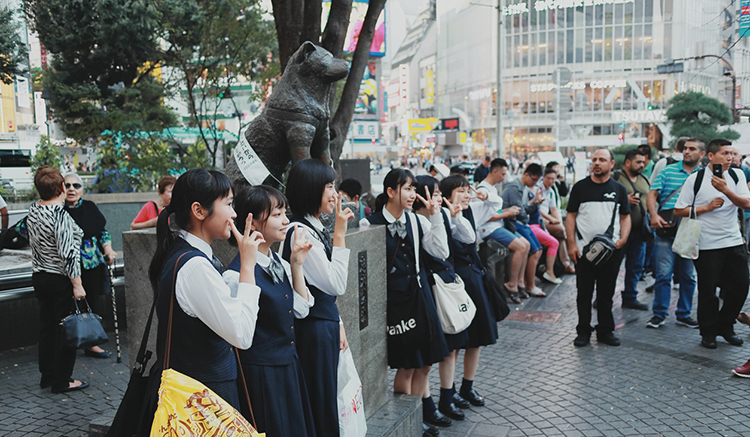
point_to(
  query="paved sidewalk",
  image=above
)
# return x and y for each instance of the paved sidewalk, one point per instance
(660, 382)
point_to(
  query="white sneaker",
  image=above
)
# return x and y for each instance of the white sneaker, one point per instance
(549, 278)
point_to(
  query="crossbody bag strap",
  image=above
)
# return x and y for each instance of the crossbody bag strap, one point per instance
(671, 195)
(611, 229)
(244, 387)
(171, 312)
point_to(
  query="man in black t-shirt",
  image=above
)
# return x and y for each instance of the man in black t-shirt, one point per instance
(593, 202)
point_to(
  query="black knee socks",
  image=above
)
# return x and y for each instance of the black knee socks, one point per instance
(446, 396)
(466, 385)
(428, 406)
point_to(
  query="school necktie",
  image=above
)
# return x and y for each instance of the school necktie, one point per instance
(276, 270)
(397, 227)
(217, 264)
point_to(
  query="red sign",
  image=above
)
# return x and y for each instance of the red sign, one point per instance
(43, 52)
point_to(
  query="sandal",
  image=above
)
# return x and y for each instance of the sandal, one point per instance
(537, 292)
(514, 297)
(522, 292)
(744, 318)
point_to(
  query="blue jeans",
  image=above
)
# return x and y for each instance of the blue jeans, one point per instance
(635, 253)
(667, 264)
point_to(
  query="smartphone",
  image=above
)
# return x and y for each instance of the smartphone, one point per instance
(718, 170)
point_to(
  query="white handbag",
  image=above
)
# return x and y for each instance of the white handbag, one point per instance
(687, 241)
(455, 308)
(352, 420)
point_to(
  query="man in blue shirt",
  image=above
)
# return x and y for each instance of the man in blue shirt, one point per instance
(666, 190)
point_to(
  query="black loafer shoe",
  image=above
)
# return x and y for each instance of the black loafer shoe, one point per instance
(608, 339)
(634, 305)
(709, 342)
(582, 340)
(460, 402)
(451, 411)
(69, 388)
(437, 418)
(733, 339)
(473, 397)
(103, 354)
(429, 431)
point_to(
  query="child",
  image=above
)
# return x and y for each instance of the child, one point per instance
(443, 267)
(278, 393)
(207, 317)
(415, 339)
(483, 329)
(320, 336)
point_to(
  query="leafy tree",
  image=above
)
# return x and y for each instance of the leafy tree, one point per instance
(298, 21)
(12, 50)
(46, 154)
(694, 114)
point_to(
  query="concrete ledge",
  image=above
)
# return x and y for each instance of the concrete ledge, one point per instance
(401, 416)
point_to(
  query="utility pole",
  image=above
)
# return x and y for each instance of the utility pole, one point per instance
(499, 94)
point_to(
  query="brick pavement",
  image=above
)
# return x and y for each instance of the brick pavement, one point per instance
(658, 383)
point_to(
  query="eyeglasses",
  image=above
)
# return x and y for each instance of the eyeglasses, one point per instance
(76, 185)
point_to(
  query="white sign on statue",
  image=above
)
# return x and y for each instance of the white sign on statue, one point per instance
(249, 162)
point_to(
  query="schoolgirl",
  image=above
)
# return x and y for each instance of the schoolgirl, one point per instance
(454, 222)
(208, 317)
(483, 329)
(278, 394)
(320, 335)
(415, 337)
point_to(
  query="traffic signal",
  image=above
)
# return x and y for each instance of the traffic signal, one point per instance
(621, 137)
(650, 107)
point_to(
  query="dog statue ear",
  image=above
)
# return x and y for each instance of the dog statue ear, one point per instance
(308, 48)
(302, 53)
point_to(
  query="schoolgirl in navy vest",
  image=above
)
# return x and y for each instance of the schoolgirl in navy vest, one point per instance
(483, 329)
(320, 335)
(279, 396)
(208, 318)
(415, 338)
(454, 222)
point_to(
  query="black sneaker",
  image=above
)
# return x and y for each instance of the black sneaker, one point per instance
(582, 340)
(608, 339)
(634, 305)
(687, 321)
(655, 322)
(650, 288)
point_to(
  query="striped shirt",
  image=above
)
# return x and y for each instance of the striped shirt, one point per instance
(55, 240)
(669, 180)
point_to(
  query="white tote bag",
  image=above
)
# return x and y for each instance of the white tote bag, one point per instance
(455, 308)
(687, 241)
(352, 421)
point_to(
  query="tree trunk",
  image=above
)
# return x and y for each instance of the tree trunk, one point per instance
(335, 32)
(311, 26)
(341, 120)
(289, 18)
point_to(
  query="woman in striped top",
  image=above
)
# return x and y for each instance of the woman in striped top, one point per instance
(55, 241)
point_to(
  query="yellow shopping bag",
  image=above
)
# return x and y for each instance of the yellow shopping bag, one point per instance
(189, 408)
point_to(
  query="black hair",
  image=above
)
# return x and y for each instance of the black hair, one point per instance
(715, 145)
(196, 185)
(645, 148)
(452, 182)
(548, 171)
(259, 200)
(394, 180)
(351, 187)
(457, 169)
(632, 153)
(701, 144)
(679, 145)
(533, 169)
(498, 163)
(550, 165)
(420, 183)
(305, 185)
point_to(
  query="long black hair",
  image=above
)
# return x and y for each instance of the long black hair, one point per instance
(305, 185)
(196, 185)
(422, 182)
(258, 200)
(394, 180)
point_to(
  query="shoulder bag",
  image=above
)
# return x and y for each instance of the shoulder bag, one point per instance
(83, 329)
(602, 246)
(670, 230)
(646, 230)
(455, 308)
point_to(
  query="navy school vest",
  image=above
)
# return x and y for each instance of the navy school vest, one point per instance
(196, 350)
(274, 340)
(400, 260)
(442, 267)
(325, 305)
(465, 254)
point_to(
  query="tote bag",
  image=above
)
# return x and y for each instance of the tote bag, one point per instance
(352, 420)
(455, 308)
(687, 241)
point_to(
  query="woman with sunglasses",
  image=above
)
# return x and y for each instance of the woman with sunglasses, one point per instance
(96, 249)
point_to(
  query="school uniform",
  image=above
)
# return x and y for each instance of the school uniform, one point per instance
(443, 267)
(483, 329)
(208, 318)
(278, 393)
(408, 284)
(326, 269)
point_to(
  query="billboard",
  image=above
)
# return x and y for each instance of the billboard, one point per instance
(356, 19)
(367, 100)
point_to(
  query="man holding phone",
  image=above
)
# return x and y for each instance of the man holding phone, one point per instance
(665, 190)
(715, 193)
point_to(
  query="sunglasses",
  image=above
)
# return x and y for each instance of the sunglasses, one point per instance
(76, 185)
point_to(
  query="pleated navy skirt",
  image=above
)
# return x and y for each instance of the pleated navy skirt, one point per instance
(483, 329)
(280, 400)
(318, 347)
(226, 390)
(433, 350)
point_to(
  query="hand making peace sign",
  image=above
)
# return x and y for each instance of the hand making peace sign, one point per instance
(301, 246)
(342, 216)
(429, 202)
(247, 242)
(454, 206)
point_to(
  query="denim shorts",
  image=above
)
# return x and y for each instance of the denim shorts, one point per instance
(526, 232)
(503, 236)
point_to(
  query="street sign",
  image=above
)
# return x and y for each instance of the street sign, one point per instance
(563, 75)
(677, 67)
(744, 18)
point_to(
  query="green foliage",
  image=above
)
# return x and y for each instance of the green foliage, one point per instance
(620, 151)
(696, 115)
(46, 154)
(12, 50)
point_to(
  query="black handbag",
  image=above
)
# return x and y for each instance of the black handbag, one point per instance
(496, 295)
(83, 329)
